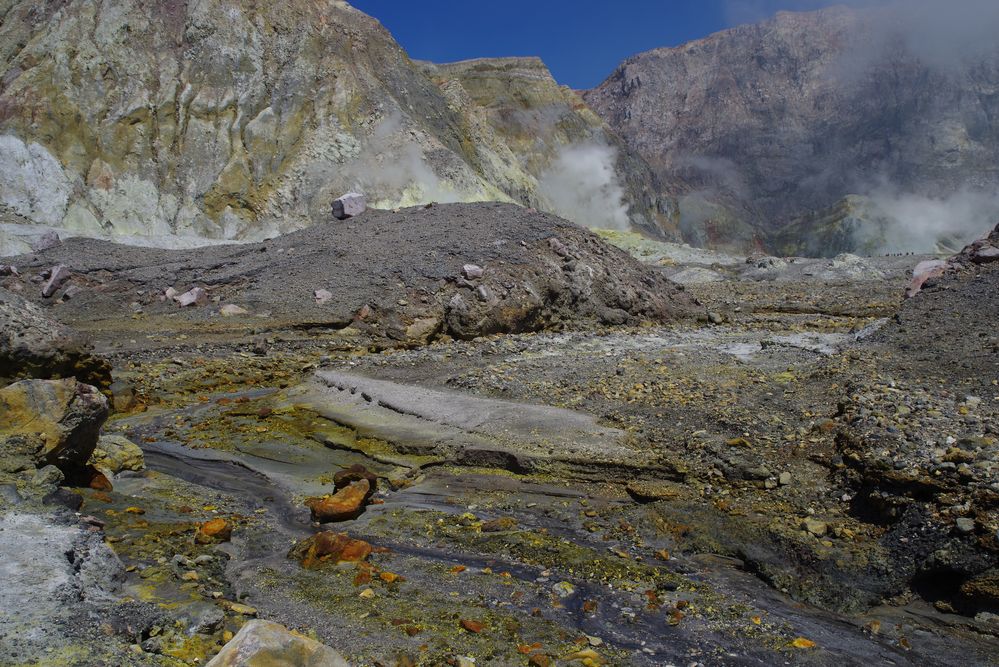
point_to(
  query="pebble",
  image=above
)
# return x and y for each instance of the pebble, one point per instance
(965, 525)
(815, 527)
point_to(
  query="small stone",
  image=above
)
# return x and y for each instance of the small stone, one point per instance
(715, 318)
(329, 547)
(564, 589)
(472, 271)
(238, 608)
(587, 657)
(232, 310)
(472, 626)
(322, 296)
(58, 275)
(784, 479)
(190, 575)
(70, 292)
(115, 454)
(965, 525)
(815, 527)
(367, 594)
(214, 530)
(196, 296)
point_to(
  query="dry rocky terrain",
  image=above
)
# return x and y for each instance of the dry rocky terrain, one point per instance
(591, 465)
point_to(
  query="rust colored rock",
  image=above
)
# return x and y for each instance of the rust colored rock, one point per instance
(99, 481)
(330, 547)
(539, 660)
(214, 530)
(472, 626)
(355, 473)
(344, 505)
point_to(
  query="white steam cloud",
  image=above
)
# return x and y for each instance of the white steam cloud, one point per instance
(906, 222)
(392, 170)
(942, 35)
(581, 185)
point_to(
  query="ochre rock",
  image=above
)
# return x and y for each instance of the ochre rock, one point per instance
(330, 547)
(266, 644)
(64, 417)
(345, 504)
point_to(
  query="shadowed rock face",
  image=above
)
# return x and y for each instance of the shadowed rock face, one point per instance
(785, 117)
(34, 345)
(240, 120)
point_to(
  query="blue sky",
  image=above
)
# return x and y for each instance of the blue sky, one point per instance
(581, 41)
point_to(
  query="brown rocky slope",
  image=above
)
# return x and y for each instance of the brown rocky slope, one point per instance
(401, 277)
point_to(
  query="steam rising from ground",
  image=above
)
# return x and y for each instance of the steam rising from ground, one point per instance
(942, 35)
(392, 170)
(582, 185)
(900, 222)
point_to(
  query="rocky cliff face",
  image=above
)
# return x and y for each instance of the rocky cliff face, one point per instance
(555, 153)
(772, 121)
(239, 120)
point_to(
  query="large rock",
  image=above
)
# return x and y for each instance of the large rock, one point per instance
(34, 345)
(56, 576)
(266, 644)
(114, 454)
(61, 419)
(344, 505)
(348, 206)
